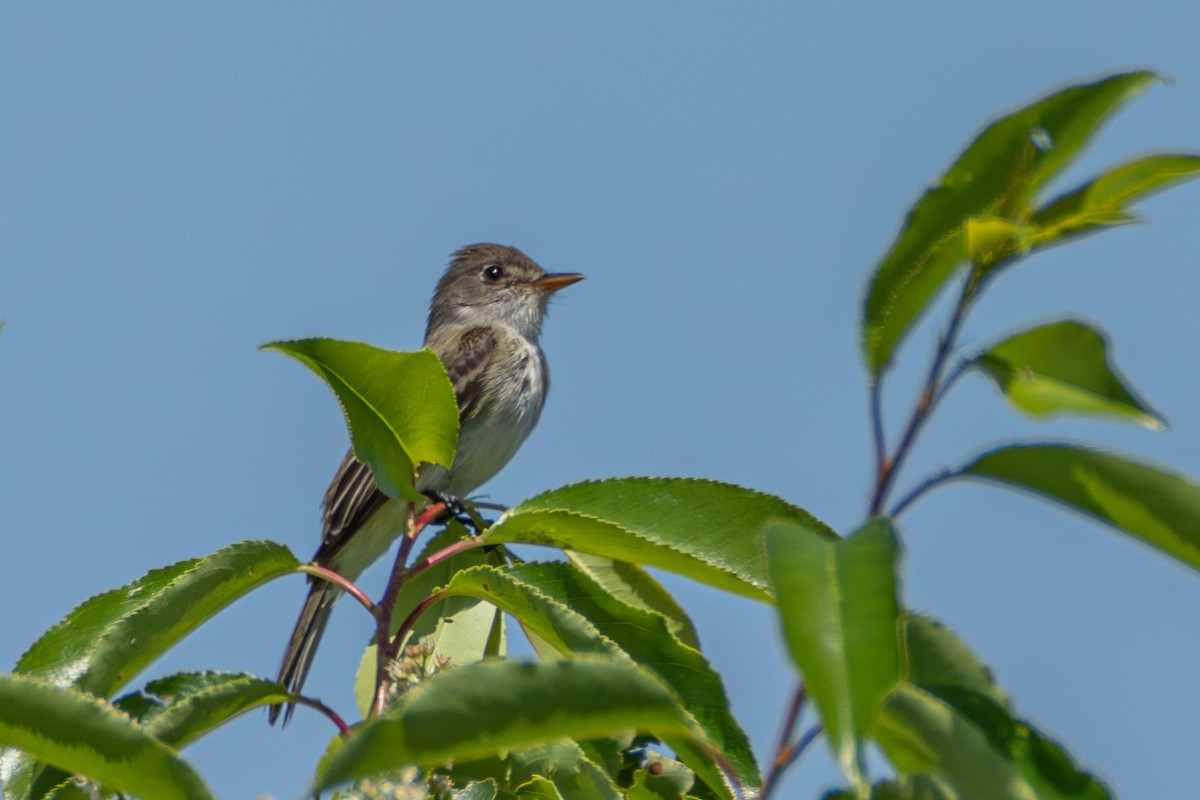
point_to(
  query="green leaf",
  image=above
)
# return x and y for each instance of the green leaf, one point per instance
(965, 756)
(839, 612)
(1063, 367)
(491, 706)
(982, 752)
(1102, 202)
(567, 768)
(635, 586)
(79, 734)
(107, 640)
(400, 407)
(477, 790)
(575, 615)
(995, 177)
(1158, 507)
(913, 787)
(936, 658)
(538, 788)
(704, 530)
(661, 779)
(182, 707)
(950, 720)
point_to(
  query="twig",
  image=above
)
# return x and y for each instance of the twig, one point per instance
(929, 394)
(326, 574)
(878, 434)
(785, 737)
(390, 650)
(441, 555)
(387, 604)
(336, 718)
(944, 476)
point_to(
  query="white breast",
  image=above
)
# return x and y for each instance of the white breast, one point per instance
(489, 440)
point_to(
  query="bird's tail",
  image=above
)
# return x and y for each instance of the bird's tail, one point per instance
(303, 645)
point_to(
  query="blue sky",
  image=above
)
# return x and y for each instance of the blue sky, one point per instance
(179, 184)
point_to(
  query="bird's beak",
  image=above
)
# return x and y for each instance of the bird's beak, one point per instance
(555, 281)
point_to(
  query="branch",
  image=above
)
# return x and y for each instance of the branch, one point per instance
(386, 606)
(924, 486)
(343, 728)
(350, 588)
(784, 747)
(441, 555)
(930, 393)
(390, 650)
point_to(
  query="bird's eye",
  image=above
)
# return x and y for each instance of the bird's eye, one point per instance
(493, 272)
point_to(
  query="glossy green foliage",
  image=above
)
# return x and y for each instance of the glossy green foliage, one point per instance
(400, 407)
(996, 177)
(563, 768)
(705, 530)
(1060, 368)
(183, 707)
(839, 609)
(90, 648)
(575, 615)
(635, 586)
(479, 709)
(78, 734)
(456, 630)
(1158, 507)
(950, 725)
(1103, 202)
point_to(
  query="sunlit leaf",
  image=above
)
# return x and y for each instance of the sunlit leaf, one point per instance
(995, 177)
(476, 790)
(909, 787)
(575, 615)
(567, 768)
(839, 610)
(661, 779)
(936, 658)
(988, 236)
(538, 787)
(1103, 202)
(1063, 367)
(400, 407)
(495, 706)
(637, 587)
(79, 734)
(965, 757)
(1158, 507)
(182, 707)
(93, 646)
(950, 721)
(704, 530)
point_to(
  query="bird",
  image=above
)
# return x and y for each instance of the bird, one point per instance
(485, 320)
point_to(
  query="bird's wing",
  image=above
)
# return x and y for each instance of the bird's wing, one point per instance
(349, 502)
(467, 358)
(353, 496)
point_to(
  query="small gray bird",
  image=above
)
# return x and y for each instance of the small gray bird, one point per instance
(484, 323)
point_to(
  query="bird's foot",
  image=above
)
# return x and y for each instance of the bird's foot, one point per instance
(461, 510)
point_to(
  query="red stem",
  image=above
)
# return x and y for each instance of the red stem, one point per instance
(326, 574)
(930, 394)
(441, 555)
(386, 606)
(343, 728)
(784, 747)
